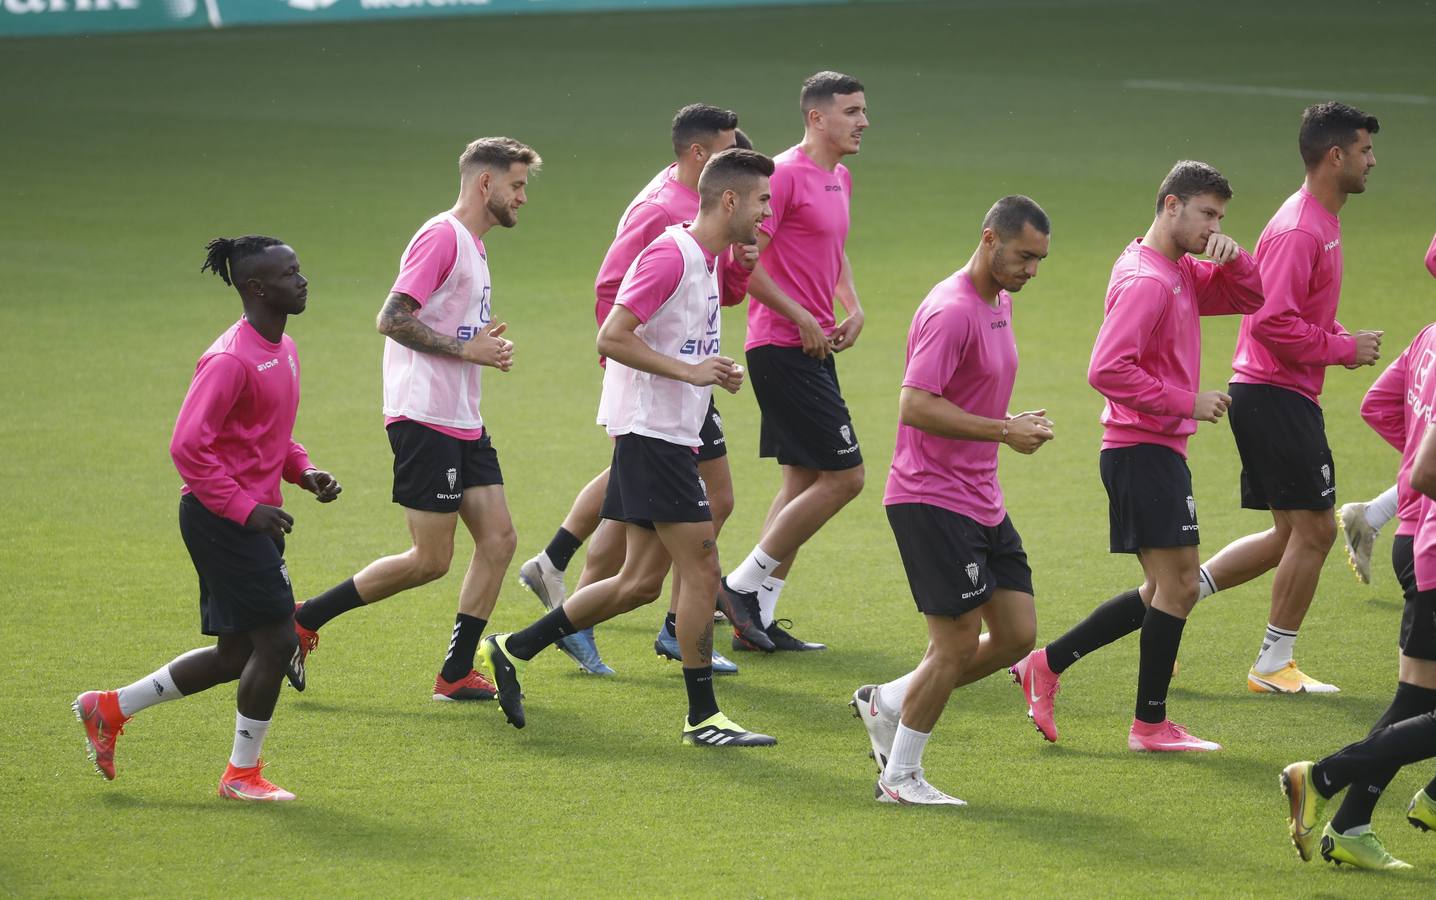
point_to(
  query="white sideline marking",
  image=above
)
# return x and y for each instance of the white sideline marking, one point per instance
(1252, 90)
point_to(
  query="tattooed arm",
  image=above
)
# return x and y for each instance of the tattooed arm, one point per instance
(397, 320)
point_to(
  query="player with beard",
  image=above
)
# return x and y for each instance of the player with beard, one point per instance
(1147, 363)
(662, 343)
(1282, 354)
(233, 442)
(671, 198)
(440, 332)
(963, 557)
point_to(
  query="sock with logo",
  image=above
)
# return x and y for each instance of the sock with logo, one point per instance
(1115, 618)
(526, 643)
(248, 741)
(156, 687)
(317, 611)
(1206, 585)
(468, 631)
(906, 757)
(891, 694)
(1382, 509)
(701, 702)
(1161, 638)
(562, 548)
(670, 623)
(1276, 649)
(1360, 801)
(749, 575)
(768, 593)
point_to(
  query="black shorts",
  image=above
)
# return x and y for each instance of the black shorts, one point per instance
(715, 445)
(954, 563)
(243, 584)
(652, 480)
(805, 421)
(1281, 437)
(432, 469)
(1418, 616)
(1149, 498)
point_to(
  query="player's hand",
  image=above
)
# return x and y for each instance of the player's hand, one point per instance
(1027, 432)
(321, 484)
(846, 334)
(270, 520)
(488, 349)
(734, 381)
(746, 255)
(1040, 413)
(1221, 249)
(1368, 349)
(715, 370)
(815, 343)
(1211, 406)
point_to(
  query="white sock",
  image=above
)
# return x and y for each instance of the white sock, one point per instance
(248, 741)
(768, 593)
(749, 575)
(890, 695)
(1356, 830)
(1205, 585)
(1276, 649)
(906, 757)
(1382, 509)
(156, 687)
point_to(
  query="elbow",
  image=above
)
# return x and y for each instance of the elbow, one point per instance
(605, 344)
(1423, 477)
(910, 410)
(381, 324)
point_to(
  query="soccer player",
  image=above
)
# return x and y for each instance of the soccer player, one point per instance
(792, 336)
(671, 198)
(233, 442)
(439, 333)
(1406, 733)
(1281, 357)
(963, 557)
(1147, 364)
(662, 342)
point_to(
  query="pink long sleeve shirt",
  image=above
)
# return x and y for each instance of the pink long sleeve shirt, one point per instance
(1431, 258)
(1290, 341)
(1399, 407)
(233, 439)
(1148, 355)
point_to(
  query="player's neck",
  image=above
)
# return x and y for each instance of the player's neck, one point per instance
(687, 173)
(474, 215)
(1326, 191)
(821, 151)
(710, 233)
(982, 281)
(267, 322)
(1159, 239)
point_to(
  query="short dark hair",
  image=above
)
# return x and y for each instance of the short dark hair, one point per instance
(224, 255)
(726, 170)
(1331, 124)
(698, 123)
(824, 86)
(741, 139)
(498, 153)
(1009, 215)
(1190, 178)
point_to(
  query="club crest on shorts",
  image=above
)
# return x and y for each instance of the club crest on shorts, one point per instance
(284, 573)
(717, 421)
(972, 573)
(1326, 473)
(847, 434)
(453, 476)
(1192, 507)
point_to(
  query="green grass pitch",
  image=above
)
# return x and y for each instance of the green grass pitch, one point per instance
(123, 155)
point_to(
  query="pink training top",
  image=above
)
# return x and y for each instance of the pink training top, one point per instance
(962, 349)
(424, 268)
(1291, 340)
(1147, 360)
(1398, 407)
(233, 439)
(808, 231)
(1423, 547)
(1431, 258)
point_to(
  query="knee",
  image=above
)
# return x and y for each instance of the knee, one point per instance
(846, 484)
(429, 564)
(1318, 533)
(498, 546)
(721, 505)
(641, 590)
(276, 648)
(1015, 644)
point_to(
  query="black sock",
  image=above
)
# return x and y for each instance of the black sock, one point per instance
(1405, 742)
(316, 611)
(1161, 637)
(562, 548)
(1372, 778)
(460, 660)
(527, 643)
(701, 702)
(670, 624)
(1116, 618)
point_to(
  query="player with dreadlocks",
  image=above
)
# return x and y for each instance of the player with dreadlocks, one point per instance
(232, 443)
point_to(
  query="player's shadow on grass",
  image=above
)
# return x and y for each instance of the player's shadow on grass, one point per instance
(1360, 709)
(1108, 840)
